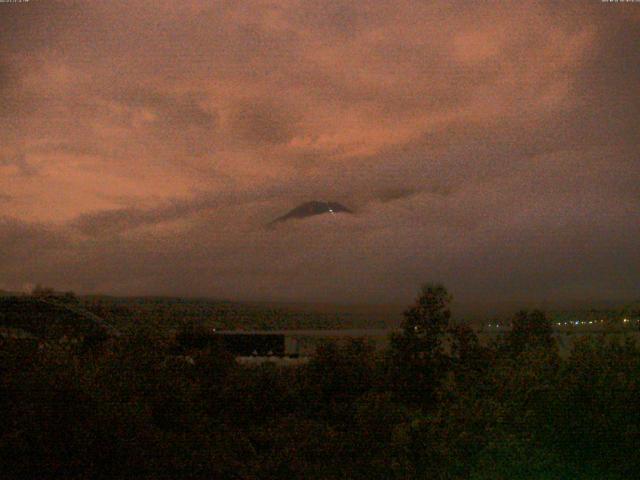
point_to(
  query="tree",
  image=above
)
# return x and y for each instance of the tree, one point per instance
(40, 291)
(529, 329)
(418, 360)
(429, 317)
(337, 375)
(469, 359)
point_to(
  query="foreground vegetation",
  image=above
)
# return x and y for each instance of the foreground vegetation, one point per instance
(435, 405)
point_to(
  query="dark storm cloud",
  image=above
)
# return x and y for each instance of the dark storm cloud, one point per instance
(20, 162)
(8, 83)
(31, 253)
(395, 194)
(19, 238)
(178, 122)
(492, 147)
(176, 111)
(123, 219)
(262, 122)
(119, 220)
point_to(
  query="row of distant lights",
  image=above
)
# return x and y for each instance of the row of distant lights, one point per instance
(575, 323)
(592, 322)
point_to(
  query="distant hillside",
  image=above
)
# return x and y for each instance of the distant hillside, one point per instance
(165, 313)
(51, 318)
(310, 209)
(5, 293)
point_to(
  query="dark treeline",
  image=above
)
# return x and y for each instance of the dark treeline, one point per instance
(435, 405)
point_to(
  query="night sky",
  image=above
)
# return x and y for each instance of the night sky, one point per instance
(491, 146)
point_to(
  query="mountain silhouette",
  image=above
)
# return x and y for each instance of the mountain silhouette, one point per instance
(310, 209)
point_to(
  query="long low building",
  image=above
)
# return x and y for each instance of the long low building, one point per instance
(257, 344)
(291, 343)
(303, 343)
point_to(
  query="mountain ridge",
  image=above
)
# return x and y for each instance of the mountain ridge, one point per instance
(310, 209)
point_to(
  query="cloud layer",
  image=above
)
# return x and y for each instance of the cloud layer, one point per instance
(493, 147)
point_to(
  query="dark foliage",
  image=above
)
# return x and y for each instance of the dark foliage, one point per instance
(438, 404)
